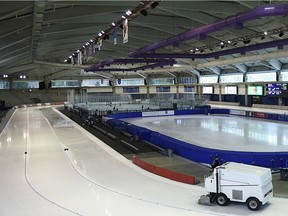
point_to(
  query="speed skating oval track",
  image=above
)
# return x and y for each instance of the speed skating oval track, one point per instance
(51, 166)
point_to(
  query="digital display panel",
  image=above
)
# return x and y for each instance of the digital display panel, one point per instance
(255, 90)
(275, 89)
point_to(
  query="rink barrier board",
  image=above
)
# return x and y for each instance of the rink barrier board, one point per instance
(273, 160)
(163, 172)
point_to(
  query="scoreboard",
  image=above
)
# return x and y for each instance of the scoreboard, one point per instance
(275, 89)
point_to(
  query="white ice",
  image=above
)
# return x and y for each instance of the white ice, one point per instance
(221, 132)
(89, 178)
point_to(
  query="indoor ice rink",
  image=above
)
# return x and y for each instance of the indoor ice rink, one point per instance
(121, 108)
(38, 177)
(240, 134)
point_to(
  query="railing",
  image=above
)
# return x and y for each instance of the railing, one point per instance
(6, 118)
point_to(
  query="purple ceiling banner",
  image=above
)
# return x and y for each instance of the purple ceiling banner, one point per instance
(236, 22)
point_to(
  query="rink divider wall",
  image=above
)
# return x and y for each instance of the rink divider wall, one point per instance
(164, 172)
(273, 160)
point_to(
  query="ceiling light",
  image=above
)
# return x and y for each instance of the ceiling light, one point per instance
(113, 24)
(221, 43)
(102, 32)
(196, 49)
(128, 12)
(78, 51)
(91, 40)
(123, 17)
(99, 34)
(265, 33)
(229, 42)
(70, 56)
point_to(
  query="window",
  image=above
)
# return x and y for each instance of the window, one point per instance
(161, 81)
(163, 89)
(130, 89)
(4, 85)
(207, 89)
(187, 80)
(25, 84)
(64, 83)
(283, 76)
(189, 89)
(230, 89)
(129, 82)
(94, 82)
(237, 78)
(208, 79)
(261, 77)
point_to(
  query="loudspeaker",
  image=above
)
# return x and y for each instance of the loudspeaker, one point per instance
(41, 85)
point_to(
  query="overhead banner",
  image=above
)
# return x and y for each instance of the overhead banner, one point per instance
(99, 43)
(125, 31)
(115, 35)
(79, 59)
(93, 47)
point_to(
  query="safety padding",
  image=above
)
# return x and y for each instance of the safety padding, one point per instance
(199, 154)
(164, 172)
(273, 160)
(125, 115)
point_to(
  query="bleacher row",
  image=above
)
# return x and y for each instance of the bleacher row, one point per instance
(223, 103)
(265, 106)
(262, 106)
(21, 97)
(104, 108)
(5, 118)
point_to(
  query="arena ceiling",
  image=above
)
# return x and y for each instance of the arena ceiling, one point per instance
(38, 36)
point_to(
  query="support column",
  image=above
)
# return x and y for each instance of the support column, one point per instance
(10, 80)
(220, 93)
(246, 95)
(148, 92)
(280, 101)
